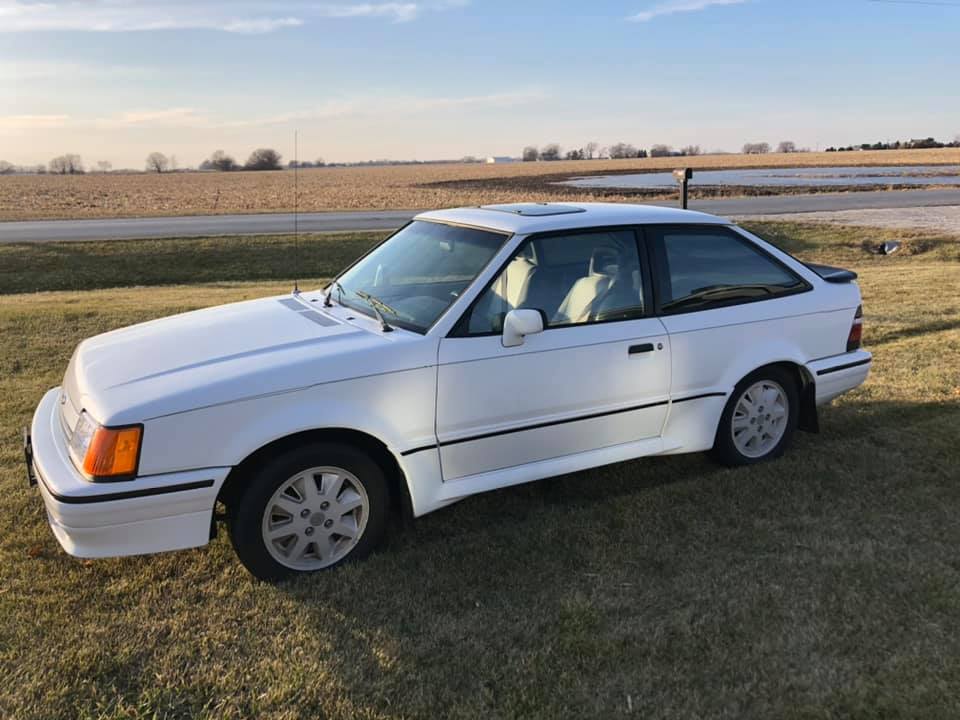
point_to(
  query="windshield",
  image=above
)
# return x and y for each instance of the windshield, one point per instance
(413, 277)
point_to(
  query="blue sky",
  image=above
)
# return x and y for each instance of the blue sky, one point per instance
(117, 79)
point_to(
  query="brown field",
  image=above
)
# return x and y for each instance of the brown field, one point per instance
(372, 188)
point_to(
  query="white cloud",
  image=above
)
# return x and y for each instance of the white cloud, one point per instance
(241, 16)
(172, 117)
(397, 105)
(32, 122)
(336, 109)
(398, 12)
(670, 7)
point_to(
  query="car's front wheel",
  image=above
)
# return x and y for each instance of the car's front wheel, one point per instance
(759, 419)
(309, 509)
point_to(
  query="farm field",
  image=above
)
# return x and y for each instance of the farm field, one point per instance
(825, 584)
(371, 188)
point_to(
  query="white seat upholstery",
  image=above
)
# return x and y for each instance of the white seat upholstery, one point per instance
(508, 292)
(581, 300)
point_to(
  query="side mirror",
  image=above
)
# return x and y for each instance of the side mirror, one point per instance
(520, 323)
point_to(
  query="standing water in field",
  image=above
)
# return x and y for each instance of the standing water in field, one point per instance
(918, 175)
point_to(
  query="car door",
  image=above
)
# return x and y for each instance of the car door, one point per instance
(597, 376)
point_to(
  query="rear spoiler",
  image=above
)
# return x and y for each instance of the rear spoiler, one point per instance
(832, 274)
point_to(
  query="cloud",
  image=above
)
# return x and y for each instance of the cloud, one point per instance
(32, 122)
(240, 16)
(398, 12)
(671, 7)
(186, 117)
(398, 105)
(172, 117)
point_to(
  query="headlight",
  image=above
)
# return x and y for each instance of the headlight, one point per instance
(105, 453)
(82, 435)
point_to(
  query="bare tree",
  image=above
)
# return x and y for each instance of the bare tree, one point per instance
(550, 152)
(690, 150)
(222, 162)
(6, 168)
(591, 149)
(263, 159)
(530, 154)
(319, 162)
(157, 162)
(69, 164)
(104, 166)
(622, 150)
(661, 151)
(760, 148)
(787, 146)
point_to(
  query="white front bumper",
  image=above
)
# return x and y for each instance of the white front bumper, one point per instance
(145, 515)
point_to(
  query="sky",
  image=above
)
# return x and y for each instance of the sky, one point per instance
(114, 80)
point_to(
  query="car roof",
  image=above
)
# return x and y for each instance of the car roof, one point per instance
(525, 218)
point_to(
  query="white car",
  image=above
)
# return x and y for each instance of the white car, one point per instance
(474, 349)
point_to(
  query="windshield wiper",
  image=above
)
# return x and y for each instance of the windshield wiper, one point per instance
(722, 292)
(376, 304)
(335, 284)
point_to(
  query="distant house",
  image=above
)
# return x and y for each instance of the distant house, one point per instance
(499, 160)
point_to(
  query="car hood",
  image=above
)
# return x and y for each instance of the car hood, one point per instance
(229, 353)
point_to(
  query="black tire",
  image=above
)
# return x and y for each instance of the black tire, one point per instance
(725, 449)
(247, 512)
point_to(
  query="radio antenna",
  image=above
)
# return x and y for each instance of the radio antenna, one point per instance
(296, 211)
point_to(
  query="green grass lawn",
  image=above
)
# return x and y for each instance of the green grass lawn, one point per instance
(825, 584)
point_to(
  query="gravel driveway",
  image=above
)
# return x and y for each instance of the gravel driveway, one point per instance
(945, 218)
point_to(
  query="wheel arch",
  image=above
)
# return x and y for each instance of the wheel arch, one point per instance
(238, 477)
(806, 388)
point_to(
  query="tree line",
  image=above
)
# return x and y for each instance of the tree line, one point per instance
(915, 144)
(270, 159)
(158, 162)
(622, 150)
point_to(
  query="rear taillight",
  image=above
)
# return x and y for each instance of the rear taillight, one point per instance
(856, 330)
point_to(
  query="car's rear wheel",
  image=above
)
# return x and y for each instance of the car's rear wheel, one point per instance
(310, 509)
(759, 419)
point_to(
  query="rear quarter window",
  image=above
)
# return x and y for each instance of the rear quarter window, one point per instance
(716, 266)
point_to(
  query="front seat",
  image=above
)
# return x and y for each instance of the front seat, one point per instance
(578, 305)
(509, 291)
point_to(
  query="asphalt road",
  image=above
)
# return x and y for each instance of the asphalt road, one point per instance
(206, 225)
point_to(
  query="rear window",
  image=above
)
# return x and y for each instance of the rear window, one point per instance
(707, 267)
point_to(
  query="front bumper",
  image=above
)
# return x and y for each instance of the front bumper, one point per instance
(145, 515)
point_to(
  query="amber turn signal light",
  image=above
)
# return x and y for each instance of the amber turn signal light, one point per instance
(113, 452)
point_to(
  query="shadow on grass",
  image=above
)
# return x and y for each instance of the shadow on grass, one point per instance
(502, 599)
(821, 581)
(918, 329)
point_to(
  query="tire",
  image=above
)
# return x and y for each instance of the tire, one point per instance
(765, 438)
(309, 509)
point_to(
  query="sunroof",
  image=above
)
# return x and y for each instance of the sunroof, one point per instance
(534, 209)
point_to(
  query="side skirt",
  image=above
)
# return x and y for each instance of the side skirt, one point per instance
(482, 482)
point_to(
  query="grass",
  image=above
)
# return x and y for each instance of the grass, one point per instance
(366, 188)
(825, 584)
(124, 263)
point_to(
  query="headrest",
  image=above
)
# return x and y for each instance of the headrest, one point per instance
(604, 261)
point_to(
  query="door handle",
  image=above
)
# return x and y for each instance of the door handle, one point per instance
(637, 349)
